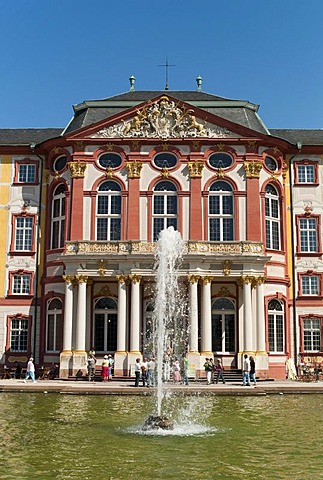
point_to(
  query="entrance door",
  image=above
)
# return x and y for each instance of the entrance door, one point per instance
(105, 325)
(223, 326)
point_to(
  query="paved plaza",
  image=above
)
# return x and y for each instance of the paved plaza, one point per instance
(126, 387)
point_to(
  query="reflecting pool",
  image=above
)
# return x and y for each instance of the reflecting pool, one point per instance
(60, 436)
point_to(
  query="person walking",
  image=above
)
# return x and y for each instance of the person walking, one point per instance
(246, 370)
(219, 371)
(91, 361)
(252, 370)
(176, 371)
(144, 372)
(30, 373)
(185, 369)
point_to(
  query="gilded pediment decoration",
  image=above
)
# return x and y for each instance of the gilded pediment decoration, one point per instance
(227, 264)
(163, 119)
(77, 169)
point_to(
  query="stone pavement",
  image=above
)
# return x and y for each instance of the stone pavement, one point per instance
(126, 387)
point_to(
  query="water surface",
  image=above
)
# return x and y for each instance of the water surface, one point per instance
(59, 436)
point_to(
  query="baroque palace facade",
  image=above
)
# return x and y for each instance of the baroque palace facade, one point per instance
(82, 207)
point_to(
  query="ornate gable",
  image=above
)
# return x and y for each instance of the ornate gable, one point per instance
(164, 119)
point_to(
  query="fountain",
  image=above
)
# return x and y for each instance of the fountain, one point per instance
(169, 336)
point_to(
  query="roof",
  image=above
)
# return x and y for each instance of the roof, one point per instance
(241, 112)
(27, 136)
(304, 136)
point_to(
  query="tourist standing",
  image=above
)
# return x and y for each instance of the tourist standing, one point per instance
(252, 370)
(176, 371)
(185, 369)
(105, 366)
(91, 361)
(30, 373)
(208, 370)
(110, 367)
(144, 372)
(219, 371)
(137, 371)
(166, 365)
(151, 372)
(246, 370)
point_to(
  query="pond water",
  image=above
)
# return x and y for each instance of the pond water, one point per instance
(58, 436)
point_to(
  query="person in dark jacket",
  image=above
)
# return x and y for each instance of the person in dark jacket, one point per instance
(252, 370)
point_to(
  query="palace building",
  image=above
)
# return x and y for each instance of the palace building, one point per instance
(81, 209)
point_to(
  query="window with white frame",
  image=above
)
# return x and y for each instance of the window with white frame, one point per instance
(164, 207)
(272, 218)
(21, 284)
(310, 284)
(54, 325)
(276, 326)
(221, 212)
(306, 173)
(18, 335)
(312, 334)
(58, 217)
(27, 173)
(308, 234)
(108, 213)
(24, 233)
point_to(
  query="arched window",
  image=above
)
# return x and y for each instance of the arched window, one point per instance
(54, 325)
(272, 218)
(58, 217)
(105, 325)
(164, 207)
(108, 215)
(223, 325)
(276, 336)
(220, 212)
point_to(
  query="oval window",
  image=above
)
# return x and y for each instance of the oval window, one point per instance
(165, 160)
(271, 164)
(110, 160)
(60, 163)
(220, 160)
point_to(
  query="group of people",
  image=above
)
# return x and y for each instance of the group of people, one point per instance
(248, 371)
(145, 370)
(213, 371)
(106, 367)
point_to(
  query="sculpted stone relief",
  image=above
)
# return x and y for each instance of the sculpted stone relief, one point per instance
(163, 119)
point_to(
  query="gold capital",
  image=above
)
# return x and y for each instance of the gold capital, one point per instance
(206, 279)
(193, 278)
(134, 169)
(135, 278)
(121, 279)
(195, 169)
(77, 169)
(68, 278)
(81, 278)
(252, 169)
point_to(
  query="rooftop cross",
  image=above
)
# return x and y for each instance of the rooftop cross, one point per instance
(166, 65)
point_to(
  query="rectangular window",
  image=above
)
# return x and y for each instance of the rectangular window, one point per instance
(305, 174)
(24, 234)
(21, 284)
(26, 173)
(308, 234)
(19, 335)
(312, 334)
(310, 285)
(276, 333)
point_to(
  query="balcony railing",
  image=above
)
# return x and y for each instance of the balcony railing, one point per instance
(148, 248)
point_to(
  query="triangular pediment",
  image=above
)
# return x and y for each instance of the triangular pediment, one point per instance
(163, 119)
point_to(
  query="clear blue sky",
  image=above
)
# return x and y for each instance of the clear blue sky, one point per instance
(56, 53)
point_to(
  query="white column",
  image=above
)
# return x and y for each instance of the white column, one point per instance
(89, 310)
(135, 313)
(122, 309)
(247, 313)
(81, 314)
(261, 331)
(206, 324)
(193, 343)
(68, 314)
